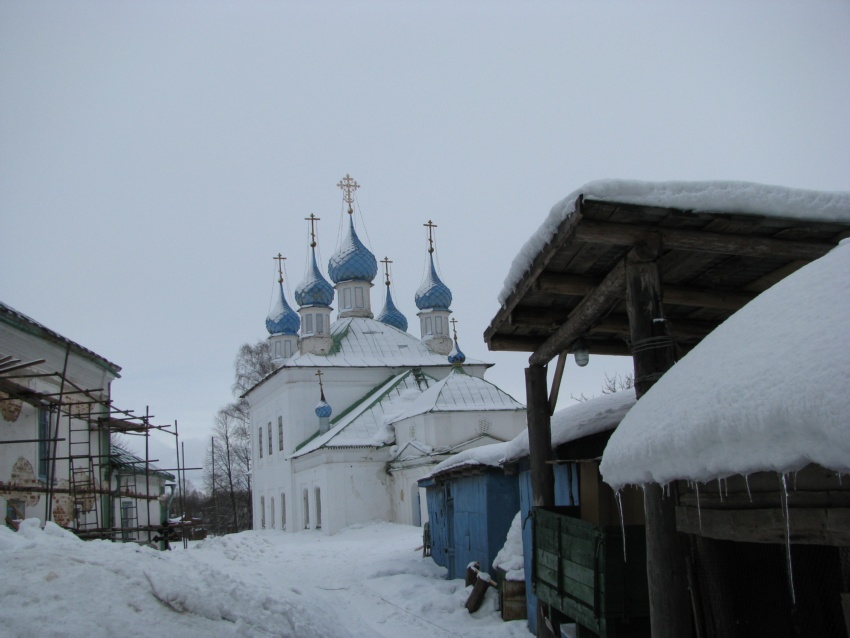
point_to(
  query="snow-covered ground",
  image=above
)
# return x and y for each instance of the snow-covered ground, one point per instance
(367, 581)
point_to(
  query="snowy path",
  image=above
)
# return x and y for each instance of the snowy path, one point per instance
(364, 582)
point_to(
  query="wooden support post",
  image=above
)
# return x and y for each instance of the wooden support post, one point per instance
(666, 550)
(542, 472)
(539, 437)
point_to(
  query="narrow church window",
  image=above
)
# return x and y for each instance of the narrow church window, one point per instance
(271, 447)
(308, 324)
(287, 349)
(43, 443)
(306, 509)
(318, 508)
(358, 296)
(282, 510)
(320, 324)
(261, 442)
(263, 512)
(272, 513)
(280, 434)
(428, 328)
(346, 298)
(438, 325)
(277, 349)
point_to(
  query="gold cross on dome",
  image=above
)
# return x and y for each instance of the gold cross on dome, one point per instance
(279, 259)
(319, 374)
(453, 321)
(312, 219)
(386, 261)
(348, 186)
(430, 226)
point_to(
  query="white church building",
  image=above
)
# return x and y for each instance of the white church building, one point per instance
(359, 409)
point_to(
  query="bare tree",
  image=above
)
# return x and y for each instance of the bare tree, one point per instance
(253, 363)
(612, 384)
(228, 471)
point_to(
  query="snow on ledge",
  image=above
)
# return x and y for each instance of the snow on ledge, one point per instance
(768, 390)
(715, 196)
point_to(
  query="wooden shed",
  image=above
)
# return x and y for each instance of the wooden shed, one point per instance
(470, 508)
(647, 270)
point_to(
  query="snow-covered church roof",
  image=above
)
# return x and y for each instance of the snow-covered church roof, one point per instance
(768, 390)
(361, 342)
(461, 392)
(365, 423)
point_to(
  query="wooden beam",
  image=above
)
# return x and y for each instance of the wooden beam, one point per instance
(698, 241)
(509, 343)
(591, 308)
(578, 286)
(666, 549)
(815, 525)
(540, 451)
(617, 324)
(556, 381)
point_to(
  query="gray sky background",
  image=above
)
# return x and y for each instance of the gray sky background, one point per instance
(155, 156)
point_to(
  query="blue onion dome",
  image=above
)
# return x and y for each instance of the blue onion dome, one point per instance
(352, 261)
(314, 290)
(323, 409)
(456, 356)
(282, 319)
(391, 316)
(433, 293)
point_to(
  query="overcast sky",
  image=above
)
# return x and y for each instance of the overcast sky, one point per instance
(155, 156)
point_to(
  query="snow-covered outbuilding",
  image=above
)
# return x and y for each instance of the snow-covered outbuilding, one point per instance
(648, 270)
(358, 409)
(752, 427)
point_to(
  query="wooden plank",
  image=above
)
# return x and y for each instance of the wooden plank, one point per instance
(539, 437)
(815, 526)
(700, 241)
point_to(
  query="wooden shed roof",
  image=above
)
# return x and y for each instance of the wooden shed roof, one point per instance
(711, 264)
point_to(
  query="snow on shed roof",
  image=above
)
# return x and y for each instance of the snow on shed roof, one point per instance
(768, 390)
(365, 424)
(461, 392)
(573, 422)
(709, 196)
(579, 420)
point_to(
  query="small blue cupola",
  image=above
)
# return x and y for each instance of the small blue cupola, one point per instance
(390, 315)
(323, 409)
(456, 356)
(314, 296)
(282, 322)
(433, 300)
(352, 267)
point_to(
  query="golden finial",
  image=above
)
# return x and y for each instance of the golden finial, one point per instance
(453, 321)
(312, 219)
(386, 261)
(430, 226)
(348, 186)
(279, 259)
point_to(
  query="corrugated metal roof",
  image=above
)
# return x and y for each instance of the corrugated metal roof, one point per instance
(364, 424)
(461, 392)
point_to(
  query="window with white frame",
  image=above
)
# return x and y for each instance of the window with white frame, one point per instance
(358, 296)
(320, 324)
(308, 324)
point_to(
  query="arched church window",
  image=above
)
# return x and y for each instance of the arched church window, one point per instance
(318, 508)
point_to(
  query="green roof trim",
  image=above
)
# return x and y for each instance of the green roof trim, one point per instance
(306, 441)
